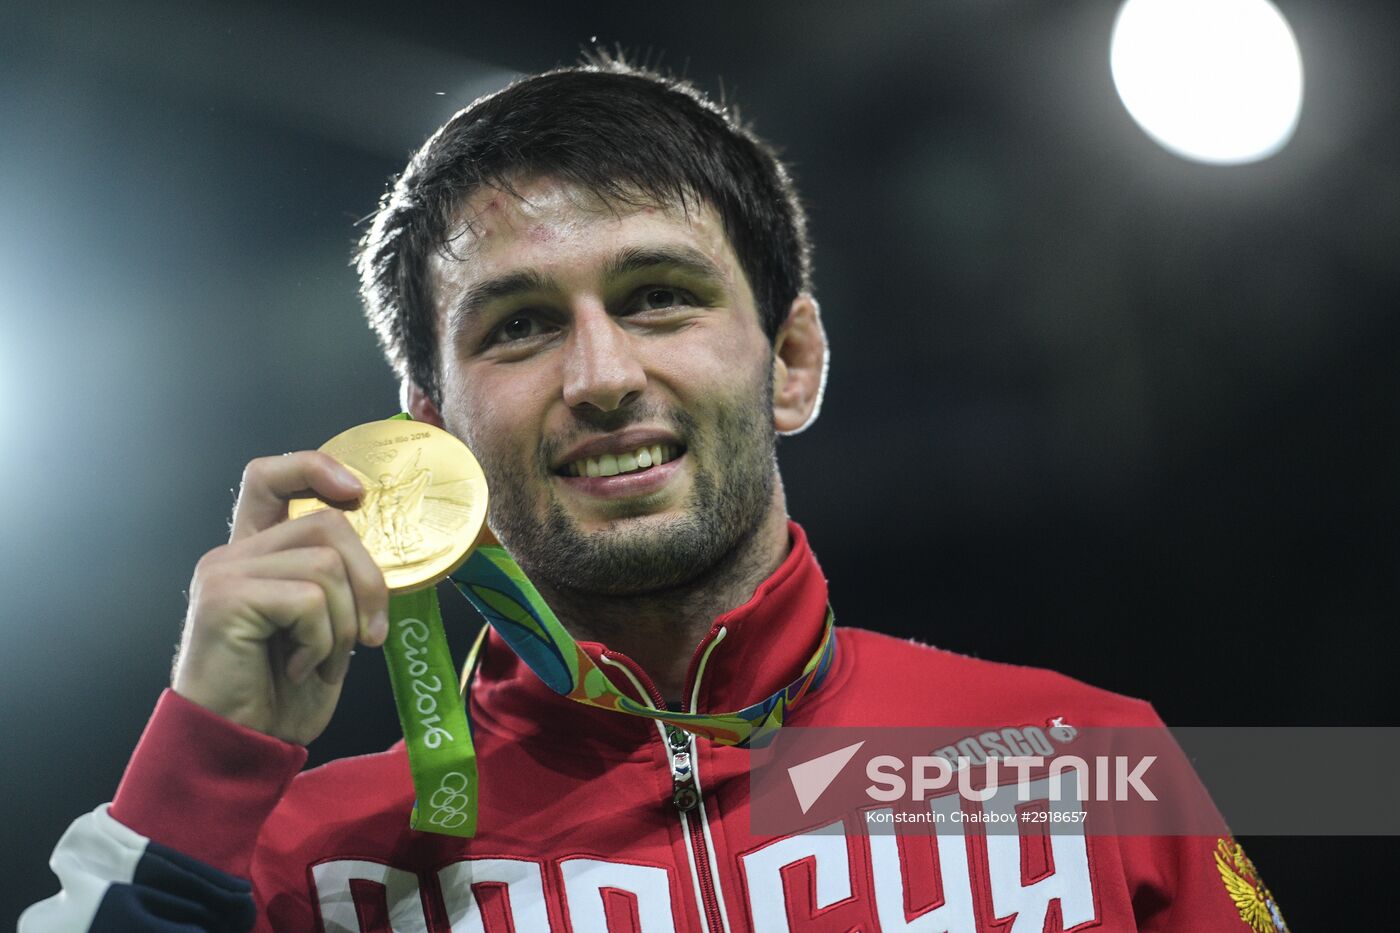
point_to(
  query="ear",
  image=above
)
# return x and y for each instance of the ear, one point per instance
(800, 359)
(416, 402)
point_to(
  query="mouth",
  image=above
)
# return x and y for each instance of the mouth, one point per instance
(622, 462)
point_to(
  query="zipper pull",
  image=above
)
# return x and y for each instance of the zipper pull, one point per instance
(684, 794)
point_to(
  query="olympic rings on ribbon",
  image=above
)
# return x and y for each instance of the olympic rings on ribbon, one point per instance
(449, 802)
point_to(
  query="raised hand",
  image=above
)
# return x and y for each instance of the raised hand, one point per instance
(275, 613)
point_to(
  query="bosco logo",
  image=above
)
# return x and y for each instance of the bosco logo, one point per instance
(1062, 731)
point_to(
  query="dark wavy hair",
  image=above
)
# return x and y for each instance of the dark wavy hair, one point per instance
(630, 136)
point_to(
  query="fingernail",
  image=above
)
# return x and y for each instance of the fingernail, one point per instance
(346, 477)
(379, 627)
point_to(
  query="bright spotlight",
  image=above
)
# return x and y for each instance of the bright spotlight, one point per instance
(1212, 80)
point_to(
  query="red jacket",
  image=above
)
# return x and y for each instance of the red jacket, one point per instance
(578, 830)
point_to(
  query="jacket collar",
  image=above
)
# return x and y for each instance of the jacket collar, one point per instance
(748, 654)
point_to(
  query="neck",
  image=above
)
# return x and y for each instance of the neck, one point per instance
(660, 630)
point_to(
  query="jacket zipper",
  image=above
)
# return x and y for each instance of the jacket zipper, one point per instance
(685, 797)
(681, 753)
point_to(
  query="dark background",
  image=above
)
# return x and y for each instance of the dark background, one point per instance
(1091, 406)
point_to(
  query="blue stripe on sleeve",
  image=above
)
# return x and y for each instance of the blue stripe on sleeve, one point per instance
(114, 879)
(172, 892)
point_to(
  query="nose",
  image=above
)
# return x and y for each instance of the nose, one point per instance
(601, 368)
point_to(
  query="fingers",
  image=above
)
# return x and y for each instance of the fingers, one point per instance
(324, 567)
(293, 622)
(269, 482)
(338, 560)
(311, 578)
(300, 609)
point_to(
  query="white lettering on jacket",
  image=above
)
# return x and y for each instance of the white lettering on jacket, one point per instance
(524, 892)
(831, 873)
(1068, 881)
(955, 914)
(587, 883)
(585, 880)
(338, 913)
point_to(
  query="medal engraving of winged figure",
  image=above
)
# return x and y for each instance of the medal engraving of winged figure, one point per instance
(404, 519)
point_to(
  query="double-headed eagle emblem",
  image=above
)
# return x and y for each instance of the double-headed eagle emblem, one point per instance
(1256, 905)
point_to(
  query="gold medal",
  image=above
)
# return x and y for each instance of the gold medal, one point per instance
(424, 504)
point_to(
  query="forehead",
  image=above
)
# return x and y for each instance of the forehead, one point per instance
(566, 232)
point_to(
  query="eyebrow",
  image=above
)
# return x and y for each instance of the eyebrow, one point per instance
(506, 286)
(685, 259)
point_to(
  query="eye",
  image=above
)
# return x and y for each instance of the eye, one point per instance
(661, 297)
(516, 327)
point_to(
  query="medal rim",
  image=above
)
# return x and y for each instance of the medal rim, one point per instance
(305, 505)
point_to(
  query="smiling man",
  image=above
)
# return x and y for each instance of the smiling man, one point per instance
(599, 281)
(607, 361)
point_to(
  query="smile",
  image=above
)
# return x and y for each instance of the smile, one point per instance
(632, 461)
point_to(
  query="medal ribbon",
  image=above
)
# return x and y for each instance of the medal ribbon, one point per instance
(494, 583)
(441, 754)
(437, 733)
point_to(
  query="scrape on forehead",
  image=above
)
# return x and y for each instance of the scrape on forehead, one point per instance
(537, 207)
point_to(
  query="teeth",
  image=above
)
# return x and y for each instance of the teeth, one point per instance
(629, 462)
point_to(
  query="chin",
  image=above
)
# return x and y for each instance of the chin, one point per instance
(635, 522)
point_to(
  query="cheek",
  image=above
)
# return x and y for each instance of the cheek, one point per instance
(727, 369)
(723, 393)
(503, 413)
(491, 415)
(713, 353)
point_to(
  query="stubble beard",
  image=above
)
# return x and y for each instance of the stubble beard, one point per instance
(729, 500)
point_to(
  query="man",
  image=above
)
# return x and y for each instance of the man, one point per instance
(600, 282)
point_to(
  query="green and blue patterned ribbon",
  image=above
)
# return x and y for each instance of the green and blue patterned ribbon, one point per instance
(437, 733)
(494, 583)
